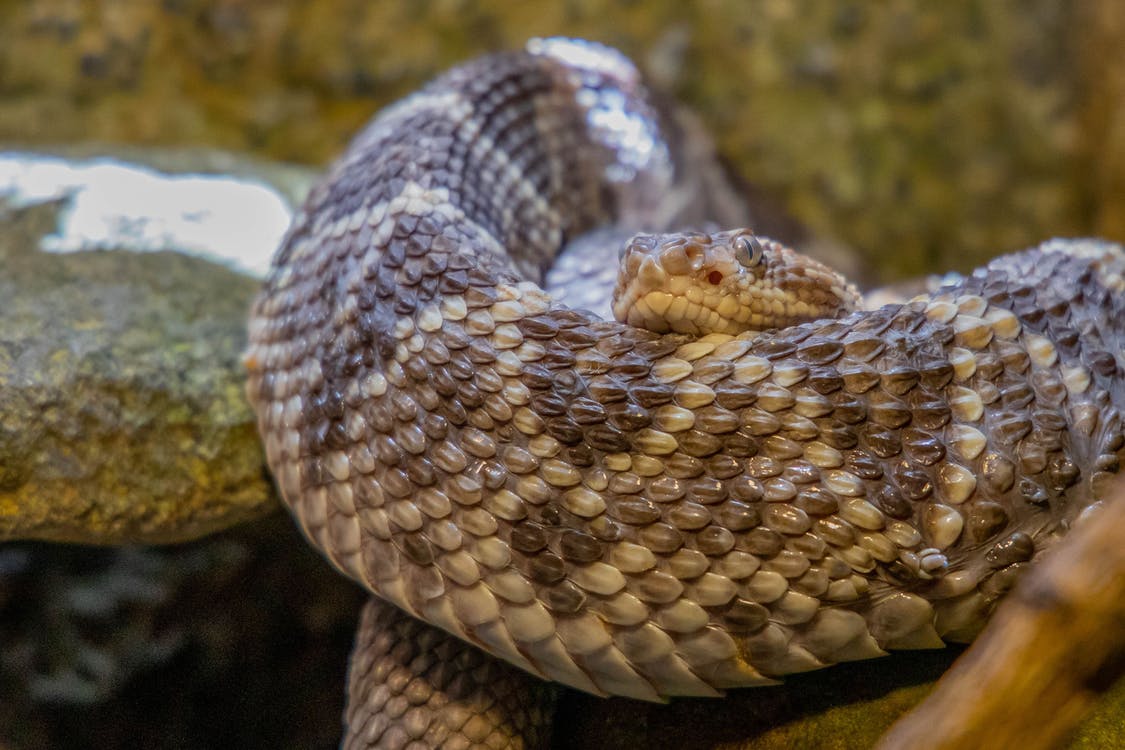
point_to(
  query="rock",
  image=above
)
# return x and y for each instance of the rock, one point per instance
(238, 640)
(123, 420)
(122, 414)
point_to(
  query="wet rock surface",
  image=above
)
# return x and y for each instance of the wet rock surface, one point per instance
(239, 640)
(123, 416)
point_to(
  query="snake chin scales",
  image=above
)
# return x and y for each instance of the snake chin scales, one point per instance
(626, 511)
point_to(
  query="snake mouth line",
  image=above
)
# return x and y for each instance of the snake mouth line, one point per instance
(664, 311)
(686, 309)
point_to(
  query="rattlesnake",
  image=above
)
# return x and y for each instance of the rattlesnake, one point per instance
(623, 511)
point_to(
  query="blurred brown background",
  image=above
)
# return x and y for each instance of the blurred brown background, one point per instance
(925, 136)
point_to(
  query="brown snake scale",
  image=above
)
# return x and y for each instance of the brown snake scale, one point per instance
(627, 512)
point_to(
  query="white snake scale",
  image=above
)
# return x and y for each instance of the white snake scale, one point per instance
(626, 512)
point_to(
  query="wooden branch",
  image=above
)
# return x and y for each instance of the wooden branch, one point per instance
(1052, 648)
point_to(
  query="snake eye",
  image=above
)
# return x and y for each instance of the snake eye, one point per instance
(748, 251)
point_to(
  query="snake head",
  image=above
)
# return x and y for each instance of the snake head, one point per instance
(727, 282)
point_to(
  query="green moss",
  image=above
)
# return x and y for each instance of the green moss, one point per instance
(121, 391)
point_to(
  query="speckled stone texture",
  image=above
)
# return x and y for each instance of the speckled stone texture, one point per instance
(121, 409)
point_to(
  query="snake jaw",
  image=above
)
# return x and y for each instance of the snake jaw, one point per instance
(698, 283)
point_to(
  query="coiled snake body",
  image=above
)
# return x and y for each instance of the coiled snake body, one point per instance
(628, 512)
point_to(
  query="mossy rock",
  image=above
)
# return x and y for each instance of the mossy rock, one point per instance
(121, 393)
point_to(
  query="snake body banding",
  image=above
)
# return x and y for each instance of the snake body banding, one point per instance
(646, 514)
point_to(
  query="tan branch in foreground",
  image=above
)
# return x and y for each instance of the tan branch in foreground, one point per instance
(1053, 647)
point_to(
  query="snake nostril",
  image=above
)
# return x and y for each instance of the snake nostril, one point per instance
(715, 277)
